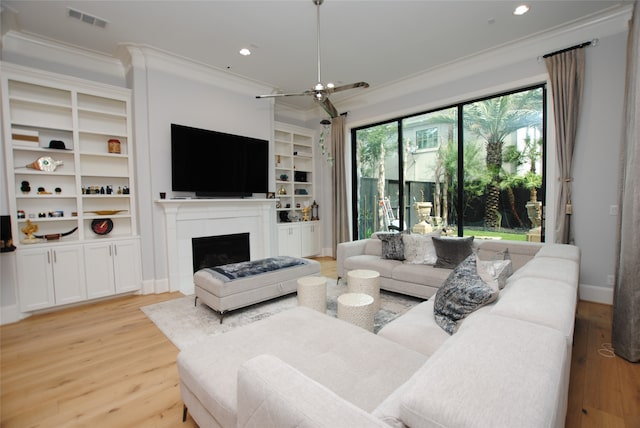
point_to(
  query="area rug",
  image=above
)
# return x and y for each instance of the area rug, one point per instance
(185, 323)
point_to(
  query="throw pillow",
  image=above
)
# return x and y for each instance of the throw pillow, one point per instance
(505, 255)
(463, 292)
(392, 247)
(495, 271)
(452, 251)
(419, 249)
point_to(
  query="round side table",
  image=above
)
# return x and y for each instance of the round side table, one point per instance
(312, 292)
(357, 309)
(367, 282)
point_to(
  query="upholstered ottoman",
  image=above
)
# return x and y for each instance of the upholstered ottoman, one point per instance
(233, 286)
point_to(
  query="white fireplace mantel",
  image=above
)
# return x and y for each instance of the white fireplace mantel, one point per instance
(194, 218)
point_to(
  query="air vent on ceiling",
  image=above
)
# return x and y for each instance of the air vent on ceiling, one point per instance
(89, 19)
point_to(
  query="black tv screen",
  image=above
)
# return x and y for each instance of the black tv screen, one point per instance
(217, 164)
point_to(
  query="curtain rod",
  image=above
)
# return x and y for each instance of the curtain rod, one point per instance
(593, 42)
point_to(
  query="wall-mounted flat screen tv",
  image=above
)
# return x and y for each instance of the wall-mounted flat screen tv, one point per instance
(216, 164)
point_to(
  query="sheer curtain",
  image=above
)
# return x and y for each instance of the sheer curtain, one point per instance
(566, 74)
(626, 301)
(339, 184)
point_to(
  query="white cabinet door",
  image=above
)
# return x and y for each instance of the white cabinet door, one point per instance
(99, 264)
(289, 240)
(112, 267)
(68, 274)
(310, 238)
(126, 265)
(35, 279)
(48, 277)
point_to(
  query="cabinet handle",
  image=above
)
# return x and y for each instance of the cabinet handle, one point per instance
(49, 257)
(115, 250)
(55, 259)
(110, 254)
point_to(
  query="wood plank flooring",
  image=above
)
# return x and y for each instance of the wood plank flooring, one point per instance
(107, 365)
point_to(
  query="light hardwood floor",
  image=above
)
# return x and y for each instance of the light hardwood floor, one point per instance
(107, 365)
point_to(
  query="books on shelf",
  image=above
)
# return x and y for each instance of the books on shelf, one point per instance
(25, 137)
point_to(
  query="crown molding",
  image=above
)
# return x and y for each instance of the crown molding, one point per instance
(136, 55)
(34, 50)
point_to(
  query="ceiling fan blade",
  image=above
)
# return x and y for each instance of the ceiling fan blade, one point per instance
(348, 86)
(285, 95)
(328, 107)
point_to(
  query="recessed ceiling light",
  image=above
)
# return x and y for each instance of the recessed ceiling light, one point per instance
(245, 52)
(521, 10)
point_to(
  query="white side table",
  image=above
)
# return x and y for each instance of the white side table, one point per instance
(367, 282)
(357, 309)
(312, 292)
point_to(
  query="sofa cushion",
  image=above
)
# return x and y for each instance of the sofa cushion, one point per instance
(541, 301)
(452, 251)
(420, 274)
(561, 251)
(497, 271)
(419, 249)
(520, 252)
(392, 246)
(383, 266)
(463, 292)
(563, 270)
(373, 247)
(496, 372)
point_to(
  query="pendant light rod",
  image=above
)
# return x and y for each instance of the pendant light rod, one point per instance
(318, 3)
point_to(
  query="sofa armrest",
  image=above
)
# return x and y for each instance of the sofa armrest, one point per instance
(348, 249)
(271, 393)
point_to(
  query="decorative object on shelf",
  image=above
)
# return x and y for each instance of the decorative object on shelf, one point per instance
(43, 191)
(163, 195)
(282, 191)
(42, 215)
(306, 213)
(25, 137)
(58, 145)
(113, 146)
(284, 217)
(271, 195)
(301, 192)
(29, 229)
(21, 214)
(24, 186)
(56, 214)
(284, 177)
(278, 205)
(105, 212)
(300, 176)
(45, 163)
(102, 226)
(57, 190)
(54, 236)
(314, 211)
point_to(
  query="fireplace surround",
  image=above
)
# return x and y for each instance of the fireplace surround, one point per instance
(186, 219)
(211, 251)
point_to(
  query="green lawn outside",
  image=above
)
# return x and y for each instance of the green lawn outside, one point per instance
(508, 236)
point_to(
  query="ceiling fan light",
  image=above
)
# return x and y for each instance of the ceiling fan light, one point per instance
(330, 85)
(245, 52)
(318, 87)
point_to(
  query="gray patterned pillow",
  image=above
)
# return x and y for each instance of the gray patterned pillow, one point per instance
(463, 292)
(392, 247)
(452, 251)
(495, 270)
(419, 249)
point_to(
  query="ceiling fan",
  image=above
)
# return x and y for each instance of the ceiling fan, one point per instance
(320, 91)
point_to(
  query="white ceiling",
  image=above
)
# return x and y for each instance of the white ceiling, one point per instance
(379, 42)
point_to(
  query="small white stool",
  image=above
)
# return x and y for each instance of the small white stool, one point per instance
(357, 309)
(312, 292)
(367, 282)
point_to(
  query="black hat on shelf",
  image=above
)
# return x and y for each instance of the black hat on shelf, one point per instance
(57, 144)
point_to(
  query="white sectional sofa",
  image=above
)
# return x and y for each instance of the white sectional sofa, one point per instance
(506, 366)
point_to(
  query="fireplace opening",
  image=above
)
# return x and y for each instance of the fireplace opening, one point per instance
(210, 251)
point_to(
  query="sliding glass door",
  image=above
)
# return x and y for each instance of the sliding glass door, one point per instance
(406, 172)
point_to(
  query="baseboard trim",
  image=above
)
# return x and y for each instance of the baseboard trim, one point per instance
(9, 314)
(593, 293)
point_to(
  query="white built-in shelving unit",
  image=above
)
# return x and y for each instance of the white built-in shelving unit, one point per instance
(92, 184)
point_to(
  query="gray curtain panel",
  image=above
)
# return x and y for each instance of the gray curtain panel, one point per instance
(566, 74)
(626, 302)
(339, 184)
